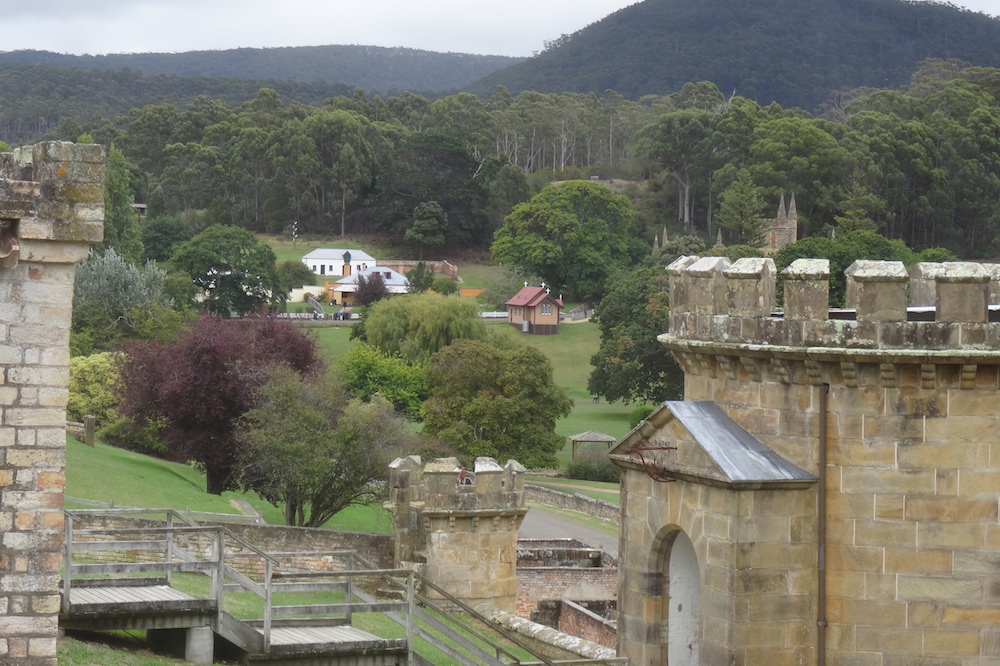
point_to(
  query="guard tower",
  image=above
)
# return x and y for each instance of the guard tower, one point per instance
(458, 528)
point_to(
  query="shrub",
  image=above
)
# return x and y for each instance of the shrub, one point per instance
(639, 414)
(91, 387)
(593, 466)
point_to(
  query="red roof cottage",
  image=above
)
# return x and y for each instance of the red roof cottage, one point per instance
(534, 310)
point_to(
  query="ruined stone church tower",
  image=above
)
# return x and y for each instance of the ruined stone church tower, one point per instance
(827, 492)
(782, 229)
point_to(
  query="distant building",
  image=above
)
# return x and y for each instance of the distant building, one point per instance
(343, 290)
(784, 229)
(535, 311)
(338, 262)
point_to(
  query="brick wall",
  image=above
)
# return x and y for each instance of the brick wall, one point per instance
(576, 619)
(537, 583)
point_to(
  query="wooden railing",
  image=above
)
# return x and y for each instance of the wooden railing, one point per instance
(432, 620)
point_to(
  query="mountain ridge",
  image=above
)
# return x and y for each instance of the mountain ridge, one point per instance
(375, 68)
(788, 51)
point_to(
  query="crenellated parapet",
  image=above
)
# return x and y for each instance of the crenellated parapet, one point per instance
(936, 318)
(458, 527)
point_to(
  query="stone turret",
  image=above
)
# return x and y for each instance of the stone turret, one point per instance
(51, 210)
(457, 527)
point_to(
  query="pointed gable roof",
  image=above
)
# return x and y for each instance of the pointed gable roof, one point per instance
(531, 296)
(711, 448)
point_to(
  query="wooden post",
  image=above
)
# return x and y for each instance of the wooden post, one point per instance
(89, 428)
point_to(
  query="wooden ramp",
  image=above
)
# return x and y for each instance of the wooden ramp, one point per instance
(154, 607)
(106, 608)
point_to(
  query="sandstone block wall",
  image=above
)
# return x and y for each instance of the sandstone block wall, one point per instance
(51, 209)
(913, 468)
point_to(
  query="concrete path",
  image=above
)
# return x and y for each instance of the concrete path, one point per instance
(543, 524)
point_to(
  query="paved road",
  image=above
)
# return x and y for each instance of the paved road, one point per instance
(543, 524)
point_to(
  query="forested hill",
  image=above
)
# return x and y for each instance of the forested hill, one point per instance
(34, 98)
(790, 51)
(374, 68)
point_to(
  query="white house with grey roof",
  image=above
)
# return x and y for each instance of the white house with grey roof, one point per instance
(338, 262)
(343, 290)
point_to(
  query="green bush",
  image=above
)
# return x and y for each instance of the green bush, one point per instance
(593, 466)
(639, 414)
(124, 434)
(91, 387)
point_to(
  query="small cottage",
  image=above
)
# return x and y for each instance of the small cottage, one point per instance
(343, 290)
(338, 262)
(535, 311)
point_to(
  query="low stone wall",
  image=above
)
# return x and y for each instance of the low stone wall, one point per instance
(548, 641)
(295, 548)
(576, 502)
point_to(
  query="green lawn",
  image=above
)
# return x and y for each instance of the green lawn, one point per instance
(593, 489)
(108, 474)
(479, 276)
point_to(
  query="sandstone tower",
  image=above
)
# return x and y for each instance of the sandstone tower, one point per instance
(51, 210)
(458, 528)
(827, 492)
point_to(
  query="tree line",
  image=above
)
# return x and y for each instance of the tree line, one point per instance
(920, 163)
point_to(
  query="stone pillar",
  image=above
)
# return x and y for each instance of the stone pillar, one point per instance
(751, 287)
(680, 292)
(877, 290)
(51, 210)
(963, 292)
(458, 527)
(709, 289)
(923, 286)
(807, 289)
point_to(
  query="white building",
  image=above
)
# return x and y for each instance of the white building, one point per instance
(338, 262)
(343, 290)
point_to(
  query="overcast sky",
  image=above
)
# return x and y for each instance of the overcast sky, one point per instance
(507, 27)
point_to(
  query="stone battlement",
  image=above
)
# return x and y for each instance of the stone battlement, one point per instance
(932, 311)
(443, 484)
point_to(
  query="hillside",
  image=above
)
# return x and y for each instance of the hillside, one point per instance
(790, 51)
(376, 69)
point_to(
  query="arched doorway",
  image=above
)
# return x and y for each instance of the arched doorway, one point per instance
(681, 600)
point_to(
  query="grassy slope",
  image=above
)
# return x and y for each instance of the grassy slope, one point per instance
(105, 474)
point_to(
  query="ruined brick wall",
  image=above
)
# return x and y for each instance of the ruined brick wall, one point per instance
(584, 620)
(537, 583)
(51, 209)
